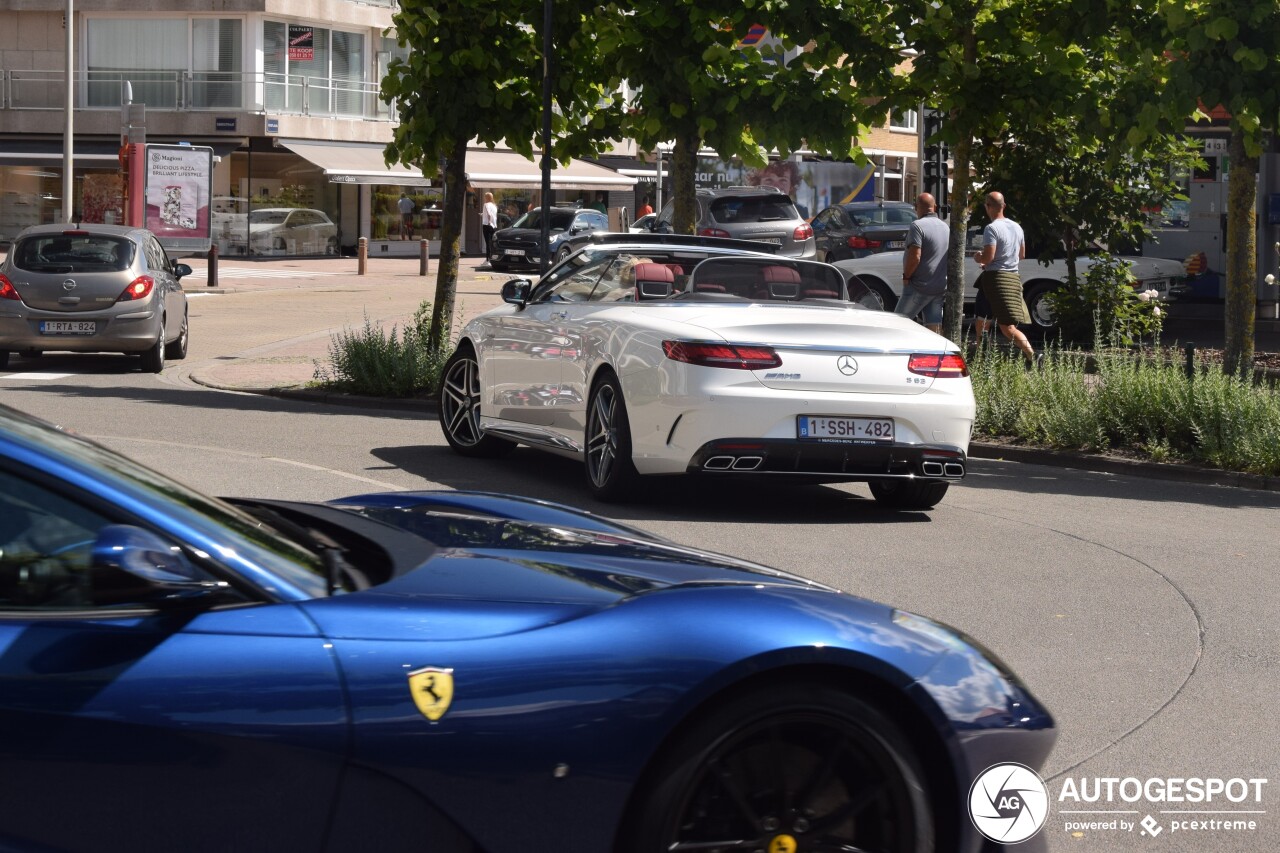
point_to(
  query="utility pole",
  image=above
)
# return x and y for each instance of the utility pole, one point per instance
(68, 134)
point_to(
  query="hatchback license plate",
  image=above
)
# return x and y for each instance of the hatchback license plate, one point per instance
(896, 244)
(513, 252)
(68, 327)
(847, 429)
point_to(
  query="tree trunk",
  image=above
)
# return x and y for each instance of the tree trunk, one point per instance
(455, 187)
(1242, 258)
(961, 152)
(953, 305)
(684, 168)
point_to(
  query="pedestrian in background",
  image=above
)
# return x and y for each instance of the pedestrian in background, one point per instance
(645, 208)
(924, 265)
(489, 223)
(406, 217)
(1000, 285)
(600, 203)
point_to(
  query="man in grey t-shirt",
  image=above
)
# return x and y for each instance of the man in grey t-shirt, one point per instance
(924, 266)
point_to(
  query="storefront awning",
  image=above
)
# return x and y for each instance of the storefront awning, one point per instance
(354, 162)
(500, 169)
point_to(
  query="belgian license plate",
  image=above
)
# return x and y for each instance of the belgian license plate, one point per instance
(846, 429)
(896, 244)
(777, 241)
(1159, 285)
(68, 327)
(516, 252)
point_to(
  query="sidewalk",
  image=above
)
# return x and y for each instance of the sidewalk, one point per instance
(320, 297)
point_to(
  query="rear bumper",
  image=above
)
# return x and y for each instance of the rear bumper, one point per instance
(135, 331)
(829, 461)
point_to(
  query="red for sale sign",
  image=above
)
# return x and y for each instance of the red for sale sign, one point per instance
(301, 42)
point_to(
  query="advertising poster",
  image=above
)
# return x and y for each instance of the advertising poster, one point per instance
(179, 180)
(301, 42)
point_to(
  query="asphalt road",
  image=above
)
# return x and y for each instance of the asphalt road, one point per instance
(1141, 612)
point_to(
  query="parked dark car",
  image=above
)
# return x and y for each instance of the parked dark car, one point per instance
(92, 288)
(520, 245)
(861, 228)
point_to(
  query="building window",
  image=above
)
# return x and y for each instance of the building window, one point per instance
(159, 57)
(327, 77)
(904, 120)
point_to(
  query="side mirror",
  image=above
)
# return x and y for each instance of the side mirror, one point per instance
(128, 564)
(180, 270)
(516, 291)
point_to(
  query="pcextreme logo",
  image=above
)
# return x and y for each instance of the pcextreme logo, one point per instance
(1008, 803)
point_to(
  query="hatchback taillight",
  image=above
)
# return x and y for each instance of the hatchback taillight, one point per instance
(712, 232)
(863, 243)
(733, 356)
(942, 366)
(139, 288)
(802, 232)
(7, 291)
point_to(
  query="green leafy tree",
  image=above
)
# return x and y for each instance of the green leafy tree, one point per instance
(1225, 53)
(474, 72)
(692, 82)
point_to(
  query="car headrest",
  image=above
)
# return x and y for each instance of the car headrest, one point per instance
(783, 274)
(654, 281)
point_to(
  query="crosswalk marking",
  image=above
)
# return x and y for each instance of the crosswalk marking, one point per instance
(255, 272)
(34, 374)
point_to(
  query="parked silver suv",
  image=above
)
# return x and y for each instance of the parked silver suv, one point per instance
(748, 213)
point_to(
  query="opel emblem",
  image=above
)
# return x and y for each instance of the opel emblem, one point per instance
(847, 365)
(69, 285)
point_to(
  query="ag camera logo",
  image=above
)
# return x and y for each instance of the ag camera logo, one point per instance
(1008, 803)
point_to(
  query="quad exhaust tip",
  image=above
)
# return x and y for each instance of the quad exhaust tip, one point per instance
(942, 469)
(733, 463)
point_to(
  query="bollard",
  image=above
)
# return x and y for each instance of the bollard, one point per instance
(362, 255)
(212, 280)
(424, 255)
(1190, 366)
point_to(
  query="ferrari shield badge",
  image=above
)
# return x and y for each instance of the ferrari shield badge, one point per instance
(432, 690)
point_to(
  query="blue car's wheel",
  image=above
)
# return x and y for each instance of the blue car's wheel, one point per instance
(460, 408)
(799, 767)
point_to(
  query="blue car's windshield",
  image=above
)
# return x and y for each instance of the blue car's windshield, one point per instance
(239, 535)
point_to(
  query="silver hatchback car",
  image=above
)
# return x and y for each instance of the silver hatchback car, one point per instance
(748, 213)
(92, 288)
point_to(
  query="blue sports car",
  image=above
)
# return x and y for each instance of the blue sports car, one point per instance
(454, 672)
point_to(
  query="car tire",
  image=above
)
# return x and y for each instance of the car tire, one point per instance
(459, 403)
(563, 253)
(1042, 316)
(878, 296)
(785, 760)
(177, 350)
(611, 474)
(908, 494)
(153, 359)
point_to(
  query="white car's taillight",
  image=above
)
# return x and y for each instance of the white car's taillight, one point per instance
(733, 356)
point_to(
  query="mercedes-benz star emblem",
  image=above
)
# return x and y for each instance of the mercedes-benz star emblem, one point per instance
(69, 285)
(847, 365)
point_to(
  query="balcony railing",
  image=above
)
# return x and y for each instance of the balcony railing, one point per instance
(199, 91)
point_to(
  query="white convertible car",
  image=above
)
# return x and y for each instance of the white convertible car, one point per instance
(665, 355)
(881, 278)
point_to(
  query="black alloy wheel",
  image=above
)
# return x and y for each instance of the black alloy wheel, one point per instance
(797, 767)
(153, 359)
(460, 408)
(874, 294)
(177, 350)
(610, 471)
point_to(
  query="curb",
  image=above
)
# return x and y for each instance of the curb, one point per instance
(332, 398)
(1177, 472)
